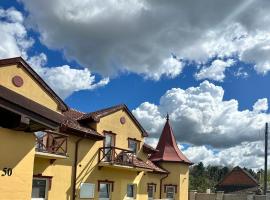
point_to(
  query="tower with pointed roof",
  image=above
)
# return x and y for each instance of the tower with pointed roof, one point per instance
(169, 157)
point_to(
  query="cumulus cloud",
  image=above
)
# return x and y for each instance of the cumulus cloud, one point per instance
(216, 71)
(13, 34)
(260, 105)
(216, 131)
(64, 79)
(200, 115)
(139, 36)
(15, 42)
(245, 154)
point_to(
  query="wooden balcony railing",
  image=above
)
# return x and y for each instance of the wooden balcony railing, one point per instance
(51, 142)
(115, 155)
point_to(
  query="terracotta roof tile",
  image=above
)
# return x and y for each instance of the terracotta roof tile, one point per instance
(155, 167)
(148, 149)
(71, 123)
(238, 176)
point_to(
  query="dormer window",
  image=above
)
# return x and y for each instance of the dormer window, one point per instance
(133, 145)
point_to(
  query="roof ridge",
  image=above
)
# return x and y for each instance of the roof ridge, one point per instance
(96, 115)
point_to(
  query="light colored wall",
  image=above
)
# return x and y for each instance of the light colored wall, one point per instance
(16, 152)
(88, 170)
(179, 175)
(61, 172)
(30, 89)
(123, 131)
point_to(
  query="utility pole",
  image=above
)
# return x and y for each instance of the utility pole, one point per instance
(265, 158)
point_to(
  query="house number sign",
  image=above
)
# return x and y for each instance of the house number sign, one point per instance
(6, 172)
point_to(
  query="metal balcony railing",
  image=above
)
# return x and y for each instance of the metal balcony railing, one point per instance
(51, 142)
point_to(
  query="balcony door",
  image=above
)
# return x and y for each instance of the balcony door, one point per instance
(109, 142)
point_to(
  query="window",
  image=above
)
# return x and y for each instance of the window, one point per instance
(170, 191)
(39, 188)
(109, 142)
(131, 191)
(87, 190)
(133, 145)
(105, 188)
(151, 188)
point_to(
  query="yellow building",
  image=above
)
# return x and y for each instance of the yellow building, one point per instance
(50, 151)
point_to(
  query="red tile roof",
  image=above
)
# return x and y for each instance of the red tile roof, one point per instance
(71, 124)
(240, 177)
(148, 149)
(167, 147)
(95, 116)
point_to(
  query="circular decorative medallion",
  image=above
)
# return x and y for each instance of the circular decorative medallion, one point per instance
(17, 81)
(123, 120)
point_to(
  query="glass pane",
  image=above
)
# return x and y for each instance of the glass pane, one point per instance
(108, 140)
(133, 146)
(150, 191)
(130, 190)
(39, 188)
(170, 192)
(104, 190)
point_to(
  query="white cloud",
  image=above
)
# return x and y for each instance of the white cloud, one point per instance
(241, 73)
(200, 115)
(64, 79)
(245, 154)
(13, 34)
(260, 105)
(15, 42)
(138, 36)
(216, 71)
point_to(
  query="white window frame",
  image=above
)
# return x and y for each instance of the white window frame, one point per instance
(173, 187)
(46, 188)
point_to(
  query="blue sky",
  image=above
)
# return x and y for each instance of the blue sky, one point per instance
(98, 55)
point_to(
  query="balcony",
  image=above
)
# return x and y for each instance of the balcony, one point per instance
(51, 145)
(121, 158)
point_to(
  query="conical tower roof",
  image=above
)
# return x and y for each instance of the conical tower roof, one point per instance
(167, 149)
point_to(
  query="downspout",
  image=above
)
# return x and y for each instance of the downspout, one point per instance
(75, 168)
(160, 185)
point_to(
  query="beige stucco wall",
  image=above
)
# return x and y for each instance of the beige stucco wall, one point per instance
(16, 152)
(30, 88)
(90, 172)
(179, 175)
(60, 170)
(123, 131)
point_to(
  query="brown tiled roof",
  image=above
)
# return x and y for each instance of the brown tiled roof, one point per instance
(148, 149)
(22, 63)
(95, 116)
(155, 167)
(141, 164)
(74, 114)
(167, 147)
(238, 176)
(147, 165)
(71, 124)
